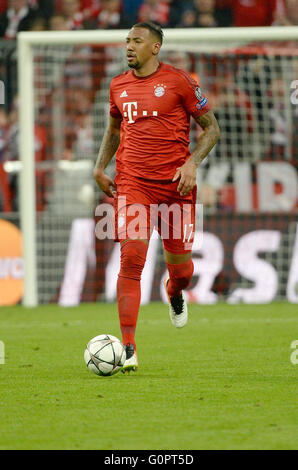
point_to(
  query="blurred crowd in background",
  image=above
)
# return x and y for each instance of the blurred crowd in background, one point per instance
(258, 107)
(59, 15)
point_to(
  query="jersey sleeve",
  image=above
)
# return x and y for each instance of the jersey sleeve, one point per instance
(193, 99)
(114, 110)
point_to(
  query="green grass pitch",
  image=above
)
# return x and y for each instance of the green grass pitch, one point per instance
(225, 381)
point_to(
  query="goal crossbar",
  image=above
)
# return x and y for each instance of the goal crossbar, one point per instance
(171, 35)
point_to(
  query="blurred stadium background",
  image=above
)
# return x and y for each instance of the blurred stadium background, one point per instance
(248, 184)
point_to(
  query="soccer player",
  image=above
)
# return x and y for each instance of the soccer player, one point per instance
(150, 110)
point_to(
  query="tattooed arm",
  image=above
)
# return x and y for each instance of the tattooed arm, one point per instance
(108, 148)
(207, 139)
(188, 172)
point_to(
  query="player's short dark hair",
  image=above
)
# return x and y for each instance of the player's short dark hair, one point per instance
(153, 28)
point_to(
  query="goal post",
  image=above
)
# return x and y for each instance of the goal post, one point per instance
(27, 174)
(174, 39)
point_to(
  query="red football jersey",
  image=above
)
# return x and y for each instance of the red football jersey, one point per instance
(155, 113)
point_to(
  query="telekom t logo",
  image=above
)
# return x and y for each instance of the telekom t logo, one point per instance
(129, 112)
(132, 111)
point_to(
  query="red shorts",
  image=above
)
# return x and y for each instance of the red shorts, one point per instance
(143, 205)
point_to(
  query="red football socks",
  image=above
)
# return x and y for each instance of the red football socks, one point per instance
(180, 277)
(133, 257)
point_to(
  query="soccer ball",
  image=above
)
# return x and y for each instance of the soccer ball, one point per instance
(105, 355)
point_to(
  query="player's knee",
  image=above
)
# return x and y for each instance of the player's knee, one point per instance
(181, 274)
(133, 257)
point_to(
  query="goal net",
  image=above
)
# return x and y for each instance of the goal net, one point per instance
(247, 185)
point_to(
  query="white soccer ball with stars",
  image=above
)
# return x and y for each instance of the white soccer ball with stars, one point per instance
(105, 355)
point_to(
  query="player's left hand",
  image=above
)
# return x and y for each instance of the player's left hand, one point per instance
(188, 177)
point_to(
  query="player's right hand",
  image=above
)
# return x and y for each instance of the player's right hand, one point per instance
(105, 183)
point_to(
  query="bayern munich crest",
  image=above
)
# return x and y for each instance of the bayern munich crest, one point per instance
(159, 90)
